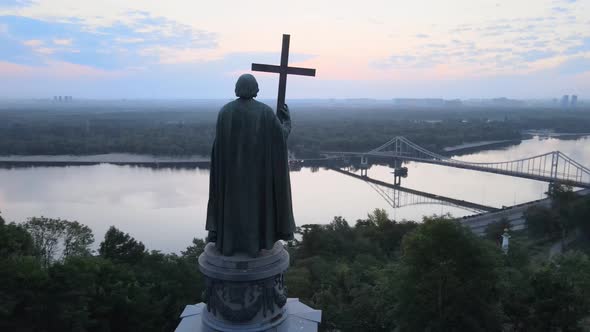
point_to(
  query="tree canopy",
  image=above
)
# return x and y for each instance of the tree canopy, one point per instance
(375, 275)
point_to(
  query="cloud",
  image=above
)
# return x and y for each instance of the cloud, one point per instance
(8, 69)
(408, 61)
(111, 47)
(375, 21)
(527, 38)
(540, 43)
(501, 46)
(33, 42)
(583, 46)
(496, 29)
(560, 9)
(52, 71)
(15, 3)
(535, 55)
(573, 66)
(129, 40)
(210, 79)
(62, 42)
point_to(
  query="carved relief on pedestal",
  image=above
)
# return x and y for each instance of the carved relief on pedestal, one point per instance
(242, 301)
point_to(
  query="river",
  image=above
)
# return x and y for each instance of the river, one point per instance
(165, 208)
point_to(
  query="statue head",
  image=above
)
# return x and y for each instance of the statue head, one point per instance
(246, 87)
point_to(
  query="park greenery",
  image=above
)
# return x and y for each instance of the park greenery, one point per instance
(375, 275)
(188, 129)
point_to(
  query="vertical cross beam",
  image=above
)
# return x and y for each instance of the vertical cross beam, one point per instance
(283, 74)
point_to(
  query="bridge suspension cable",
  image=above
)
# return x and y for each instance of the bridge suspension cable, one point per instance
(551, 166)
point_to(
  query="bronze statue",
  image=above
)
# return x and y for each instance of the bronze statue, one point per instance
(249, 189)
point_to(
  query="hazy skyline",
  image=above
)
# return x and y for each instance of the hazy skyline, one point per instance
(373, 49)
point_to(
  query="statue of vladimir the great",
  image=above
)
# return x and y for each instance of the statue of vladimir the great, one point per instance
(249, 189)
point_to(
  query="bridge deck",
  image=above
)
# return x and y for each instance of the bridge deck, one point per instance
(455, 164)
(499, 171)
(417, 192)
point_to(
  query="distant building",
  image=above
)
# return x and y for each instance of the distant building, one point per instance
(418, 102)
(505, 102)
(453, 103)
(64, 99)
(565, 101)
(574, 101)
(501, 102)
(427, 102)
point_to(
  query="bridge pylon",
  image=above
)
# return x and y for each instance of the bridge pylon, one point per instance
(364, 166)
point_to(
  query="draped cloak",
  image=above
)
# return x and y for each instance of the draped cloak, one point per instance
(249, 205)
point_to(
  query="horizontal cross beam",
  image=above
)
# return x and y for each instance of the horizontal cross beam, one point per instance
(279, 69)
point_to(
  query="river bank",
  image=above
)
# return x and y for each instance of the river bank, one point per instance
(203, 161)
(109, 158)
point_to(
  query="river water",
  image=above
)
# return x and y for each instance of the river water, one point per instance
(165, 208)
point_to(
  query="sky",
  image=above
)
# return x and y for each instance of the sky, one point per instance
(110, 49)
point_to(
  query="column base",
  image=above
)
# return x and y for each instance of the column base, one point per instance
(297, 317)
(242, 292)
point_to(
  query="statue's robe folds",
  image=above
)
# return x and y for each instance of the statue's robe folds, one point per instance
(249, 190)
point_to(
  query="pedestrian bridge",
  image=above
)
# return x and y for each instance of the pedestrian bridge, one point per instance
(553, 166)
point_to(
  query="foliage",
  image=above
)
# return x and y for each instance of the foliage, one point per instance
(580, 215)
(92, 293)
(121, 247)
(23, 286)
(189, 129)
(193, 251)
(567, 211)
(561, 293)
(58, 239)
(562, 197)
(541, 222)
(378, 275)
(15, 240)
(447, 280)
(343, 270)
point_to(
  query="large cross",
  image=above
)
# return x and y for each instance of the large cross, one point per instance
(283, 71)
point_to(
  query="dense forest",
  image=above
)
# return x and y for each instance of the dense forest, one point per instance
(377, 275)
(188, 129)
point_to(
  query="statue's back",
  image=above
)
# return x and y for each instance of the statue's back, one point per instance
(250, 196)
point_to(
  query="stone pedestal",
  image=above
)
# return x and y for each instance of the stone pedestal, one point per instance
(299, 318)
(244, 293)
(247, 294)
